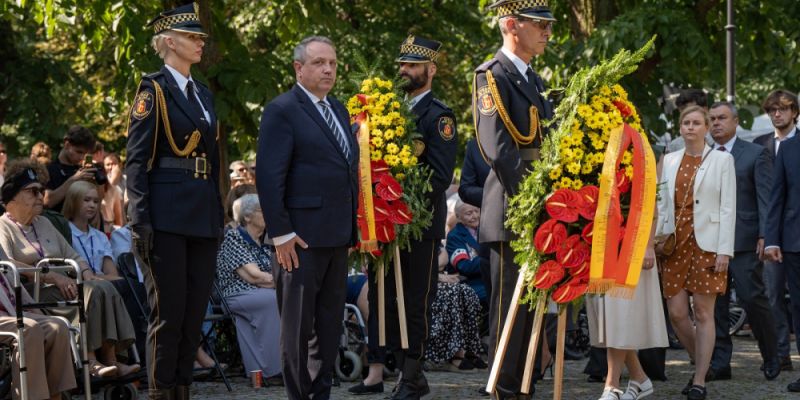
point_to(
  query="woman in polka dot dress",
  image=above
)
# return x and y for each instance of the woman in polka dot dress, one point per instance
(698, 203)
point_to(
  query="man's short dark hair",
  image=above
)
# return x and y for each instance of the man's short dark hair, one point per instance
(80, 136)
(781, 97)
(689, 96)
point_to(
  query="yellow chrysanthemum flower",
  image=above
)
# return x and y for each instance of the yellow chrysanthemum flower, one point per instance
(375, 155)
(574, 168)
(392, 148)
(577, 184)
(376, 141)
(605, 91)
(395, 105)
(400, 131)
(389, 134)
(391, 160)
(555, 173)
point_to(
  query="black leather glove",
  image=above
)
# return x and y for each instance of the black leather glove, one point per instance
(142, 236)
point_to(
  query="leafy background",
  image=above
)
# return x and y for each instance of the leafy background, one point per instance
(65, 62)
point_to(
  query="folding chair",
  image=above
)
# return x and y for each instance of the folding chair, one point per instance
(219, 312)
(44, 266)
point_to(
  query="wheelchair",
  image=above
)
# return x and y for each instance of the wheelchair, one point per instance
(352, 345)
(122, 388)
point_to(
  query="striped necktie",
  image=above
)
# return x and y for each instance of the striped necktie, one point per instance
(340, 138)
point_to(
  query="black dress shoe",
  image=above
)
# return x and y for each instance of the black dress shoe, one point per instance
(406, 391)
(361, 388)
(688, 386)
(697, 392)
(794, 386)
(786, 363)
(722, 374)
(771, 369)
(595, 379)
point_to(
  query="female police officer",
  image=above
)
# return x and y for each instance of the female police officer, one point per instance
(175, 209)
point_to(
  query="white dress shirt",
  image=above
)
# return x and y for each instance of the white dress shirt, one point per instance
(182, 81)
(778, 139)
(521, 65)
(728, 145)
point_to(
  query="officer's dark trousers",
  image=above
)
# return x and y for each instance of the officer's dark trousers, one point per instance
(504, 279)
(311, 305)
(420, 276)
(178, 287)
(747, 273)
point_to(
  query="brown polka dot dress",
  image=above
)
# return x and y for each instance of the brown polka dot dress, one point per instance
(689, 267)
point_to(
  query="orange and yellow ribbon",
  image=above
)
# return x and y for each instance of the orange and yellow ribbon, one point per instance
(616, 269)
(367, 239)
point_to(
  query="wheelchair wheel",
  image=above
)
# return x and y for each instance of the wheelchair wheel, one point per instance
(122, 392)
(736, 319)
(348, 366)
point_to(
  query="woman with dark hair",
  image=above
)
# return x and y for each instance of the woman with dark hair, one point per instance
(26, 237)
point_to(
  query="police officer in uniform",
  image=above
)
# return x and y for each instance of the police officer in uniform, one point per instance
(437, 149)
(508, 107)
(175, 207)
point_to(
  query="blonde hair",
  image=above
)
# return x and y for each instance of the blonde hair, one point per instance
(74, 197)
(691, 109)
(158, 42)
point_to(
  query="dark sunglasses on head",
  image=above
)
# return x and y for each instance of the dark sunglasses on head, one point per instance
(35, 190)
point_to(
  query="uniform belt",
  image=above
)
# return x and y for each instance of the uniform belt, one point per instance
(198, 165)
(529, 154)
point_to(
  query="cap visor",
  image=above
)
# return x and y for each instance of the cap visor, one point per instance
(541, 15)
(188, 29)
(412, 59)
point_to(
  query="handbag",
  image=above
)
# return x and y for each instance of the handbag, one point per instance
(665, 243)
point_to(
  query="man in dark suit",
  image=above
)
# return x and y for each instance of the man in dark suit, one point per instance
(307, 185)
(507, 93)
(782, 108)
(783, 224)
(175, 208)
(437, 149)
(753, 184)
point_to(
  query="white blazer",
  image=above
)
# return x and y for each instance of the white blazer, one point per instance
(714, 200)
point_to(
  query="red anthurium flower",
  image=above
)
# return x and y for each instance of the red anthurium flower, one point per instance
(587, 232)
(384, 231)
(549, 236)
(388, 188)
(382, 209)
(623, 108)
(589, 195)
(573, 252)
(581, 272)
(549, 274)
(379, 169)
(623, 183)
(400, 214)
(569, 291)
(563, 205)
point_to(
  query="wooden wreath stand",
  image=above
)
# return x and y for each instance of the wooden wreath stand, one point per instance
(527, 377)
(401, 303)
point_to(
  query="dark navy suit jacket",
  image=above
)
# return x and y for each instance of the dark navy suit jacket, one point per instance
(783, 223)
(473, 175)
(305, 183)
(753, 165)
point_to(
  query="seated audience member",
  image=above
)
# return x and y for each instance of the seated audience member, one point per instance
(121, 242)
(81, 206)
(234, 194)
(71, 166)
(240, 174)
(462, 247)
(47, 349)
(453, 341)
(41, 153)
(26, 237)
(244, 273)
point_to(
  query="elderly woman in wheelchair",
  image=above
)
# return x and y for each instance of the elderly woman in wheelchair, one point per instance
(26, 237)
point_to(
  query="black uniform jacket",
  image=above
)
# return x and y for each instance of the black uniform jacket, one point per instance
(172, 200)
(502, 152)
(437, 125)
(305, 182)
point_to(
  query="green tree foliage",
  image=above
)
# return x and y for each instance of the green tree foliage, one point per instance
(65, 62)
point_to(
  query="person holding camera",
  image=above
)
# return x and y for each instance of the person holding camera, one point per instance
(74, 163)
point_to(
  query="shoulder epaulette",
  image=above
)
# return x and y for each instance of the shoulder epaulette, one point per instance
(442, 105)
(153, 75)
(485, 66)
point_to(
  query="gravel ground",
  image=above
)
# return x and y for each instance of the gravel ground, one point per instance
(747, 382)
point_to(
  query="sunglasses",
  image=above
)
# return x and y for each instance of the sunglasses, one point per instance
(35, 190)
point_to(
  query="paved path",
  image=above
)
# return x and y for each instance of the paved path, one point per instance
(747, 383)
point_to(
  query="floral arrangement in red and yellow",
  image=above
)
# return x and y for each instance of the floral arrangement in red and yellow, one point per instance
(583, 216)
(392, 206)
